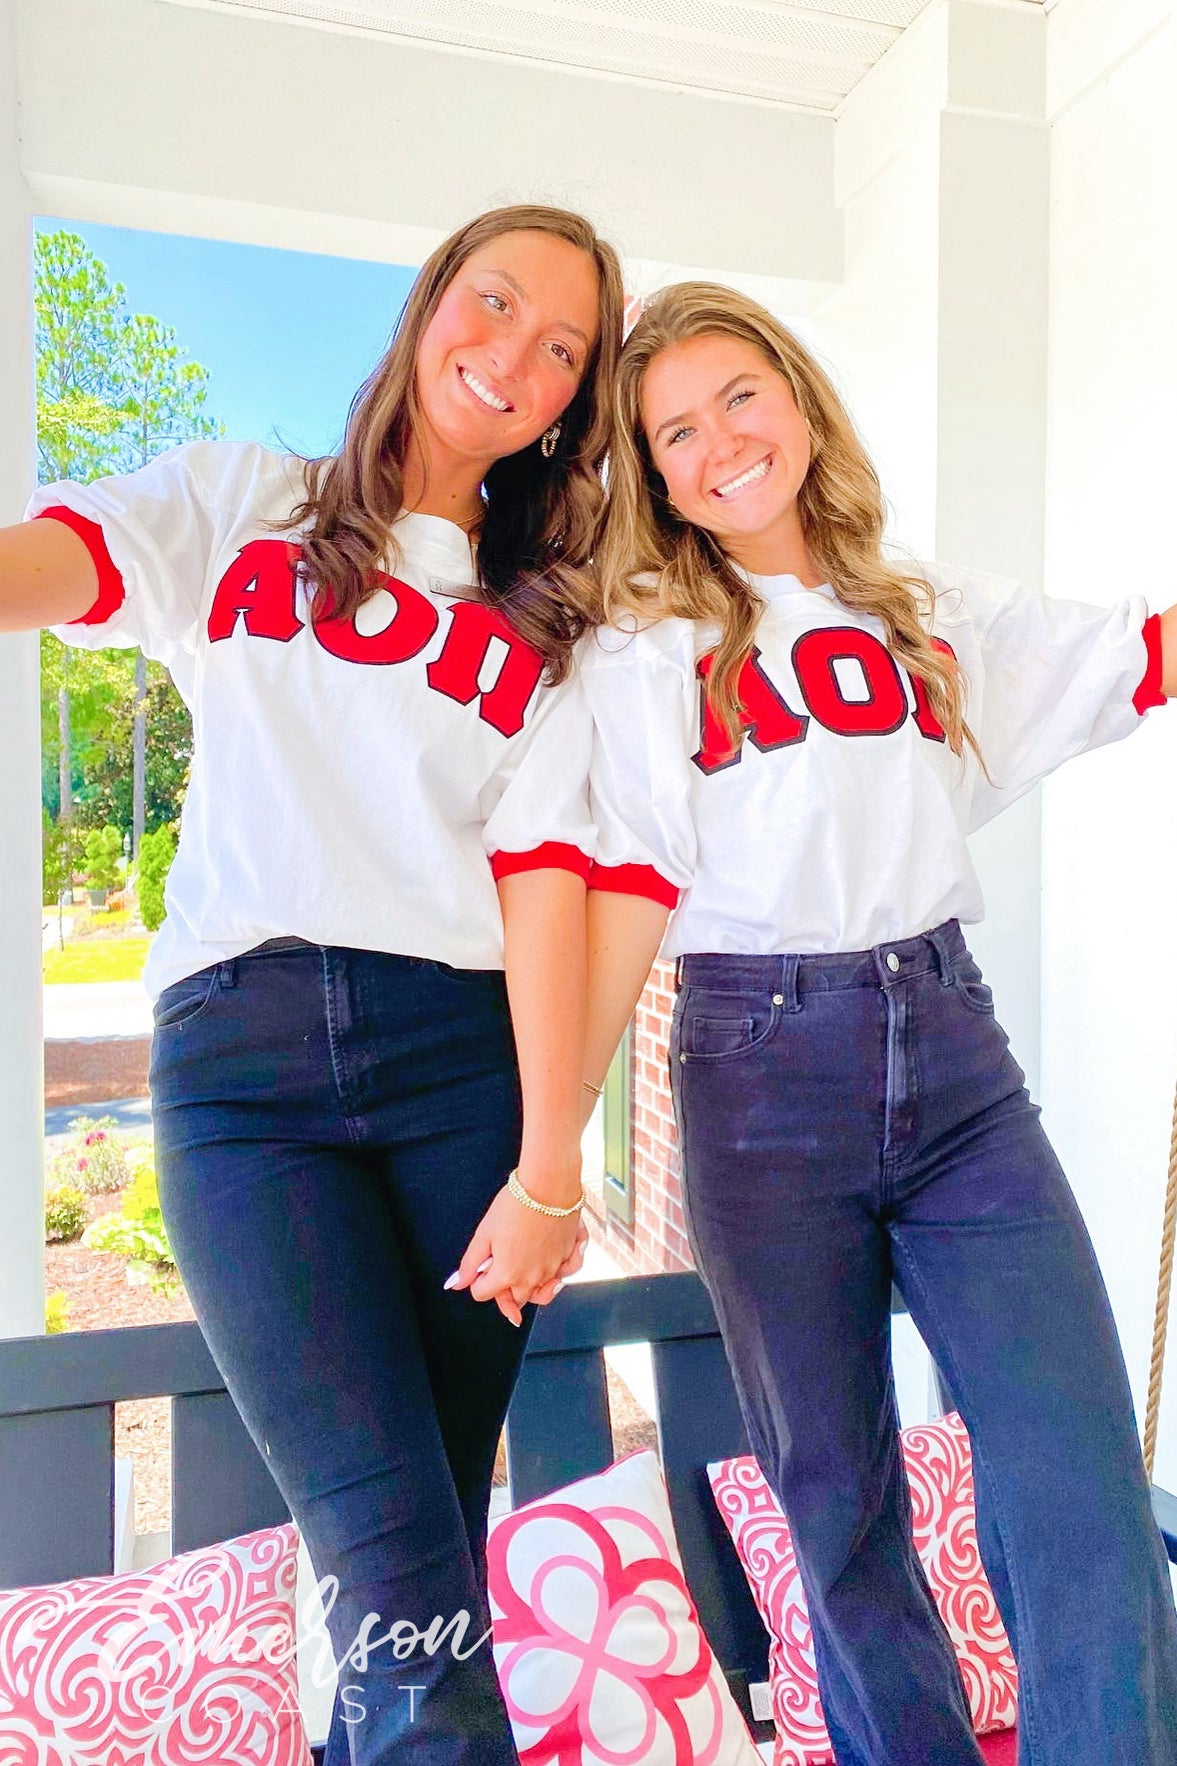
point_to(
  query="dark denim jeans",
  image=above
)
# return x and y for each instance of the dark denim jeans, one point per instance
(845, 1121)
(331, 1126)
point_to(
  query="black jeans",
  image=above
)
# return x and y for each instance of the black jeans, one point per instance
(330, 1127)
(845, 1121)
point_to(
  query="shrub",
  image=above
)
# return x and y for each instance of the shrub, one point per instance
(156, 852)
(65, 1214)
(138, 1232)
(56, 1313)
(104, 848)
(94, 1159)
(143, 1194)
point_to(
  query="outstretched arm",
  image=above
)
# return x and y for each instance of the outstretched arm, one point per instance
(47, 576)
(544, 948)
(624, 932)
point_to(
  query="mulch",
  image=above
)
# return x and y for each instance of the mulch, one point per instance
(101, 1298)
(93, 1072)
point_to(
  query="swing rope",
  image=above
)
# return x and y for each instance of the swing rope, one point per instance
(1164, 1291)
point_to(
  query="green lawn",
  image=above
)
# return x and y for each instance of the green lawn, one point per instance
(94, 959)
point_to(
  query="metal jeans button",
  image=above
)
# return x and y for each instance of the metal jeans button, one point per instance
(892, 962)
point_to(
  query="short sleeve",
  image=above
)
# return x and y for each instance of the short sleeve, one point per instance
(150, 534)
(640, 782)
(1058, 678)
(536, 805)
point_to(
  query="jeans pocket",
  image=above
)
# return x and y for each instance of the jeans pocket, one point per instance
(185, 1000)
(971, 989)
(720, 1036)
(714, 1028)
(485, 979)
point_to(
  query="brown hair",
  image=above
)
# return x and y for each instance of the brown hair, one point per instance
(541, 515)
(653, 563)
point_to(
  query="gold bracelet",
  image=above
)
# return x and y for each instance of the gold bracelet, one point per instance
(520, 1194)
(598, 1091)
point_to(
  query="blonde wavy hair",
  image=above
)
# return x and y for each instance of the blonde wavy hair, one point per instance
(542, 511)
(654, 564)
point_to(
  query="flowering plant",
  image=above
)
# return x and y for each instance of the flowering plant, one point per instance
(93, 1160)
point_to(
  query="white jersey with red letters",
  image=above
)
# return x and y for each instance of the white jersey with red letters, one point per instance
(842, 821)
(359, 782)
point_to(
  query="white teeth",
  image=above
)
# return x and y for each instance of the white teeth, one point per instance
(484, 392)
(737, 484)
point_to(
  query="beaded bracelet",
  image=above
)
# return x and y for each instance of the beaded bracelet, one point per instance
(520, 1194)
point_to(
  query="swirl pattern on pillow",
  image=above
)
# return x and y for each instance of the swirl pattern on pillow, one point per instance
(940, 1473)
(598, 1647)
(188, 1664)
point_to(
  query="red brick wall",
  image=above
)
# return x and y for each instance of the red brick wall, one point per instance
(657, 1241)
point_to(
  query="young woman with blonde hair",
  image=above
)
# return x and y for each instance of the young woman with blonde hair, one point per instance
(385, 836)
(794, 738)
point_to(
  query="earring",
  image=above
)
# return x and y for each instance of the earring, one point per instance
(548, 440)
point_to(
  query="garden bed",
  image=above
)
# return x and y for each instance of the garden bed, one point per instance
(94, 1072)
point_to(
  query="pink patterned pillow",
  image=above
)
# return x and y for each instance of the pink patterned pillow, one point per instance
(940, 1472)
(192, 1661)
(598, 1647)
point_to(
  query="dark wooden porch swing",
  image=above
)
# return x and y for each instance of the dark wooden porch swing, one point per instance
(58, 1393)
(57, 1399)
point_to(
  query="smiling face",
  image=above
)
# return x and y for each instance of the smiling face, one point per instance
(733, 449)
(506, 348)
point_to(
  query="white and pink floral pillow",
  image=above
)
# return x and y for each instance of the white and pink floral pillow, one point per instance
(940, 1472)
(190, 1662)
(598, 1646)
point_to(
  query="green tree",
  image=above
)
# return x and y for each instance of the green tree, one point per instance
(104, 848)
(156, 852)
(81, 318)
(113, 390)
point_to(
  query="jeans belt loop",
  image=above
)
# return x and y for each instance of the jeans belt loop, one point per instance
(790, 964)
(678, 974)
(939, 943)
(227, 972)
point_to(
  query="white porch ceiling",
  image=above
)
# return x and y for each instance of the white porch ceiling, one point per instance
(787, 52)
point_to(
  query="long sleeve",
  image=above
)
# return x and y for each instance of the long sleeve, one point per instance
(1055, 678)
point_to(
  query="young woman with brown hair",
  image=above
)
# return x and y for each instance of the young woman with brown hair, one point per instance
(387, 809)
(794, 739)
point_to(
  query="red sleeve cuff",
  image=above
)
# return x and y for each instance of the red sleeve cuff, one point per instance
(111, 591)
(634, 880)
(1149, 691)
(553, 855)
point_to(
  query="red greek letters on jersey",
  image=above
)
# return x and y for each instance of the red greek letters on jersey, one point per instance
(260, 587)
(815, 656)
(457, 670)
(765, 716)
(927, 723)
(770, 722)
(412, 623)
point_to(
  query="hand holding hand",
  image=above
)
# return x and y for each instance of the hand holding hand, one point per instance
(518, 1256)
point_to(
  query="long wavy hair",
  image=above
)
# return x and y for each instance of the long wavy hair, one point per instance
(653, 564)
(540, 515)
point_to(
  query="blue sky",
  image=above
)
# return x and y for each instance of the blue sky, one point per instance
(287, 336)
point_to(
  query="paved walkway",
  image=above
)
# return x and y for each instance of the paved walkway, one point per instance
(130, 1114)
(78, 1010)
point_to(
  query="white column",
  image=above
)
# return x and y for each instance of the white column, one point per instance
(993, 234)
(22, 1281)
(1110, 821)
(938, 336)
